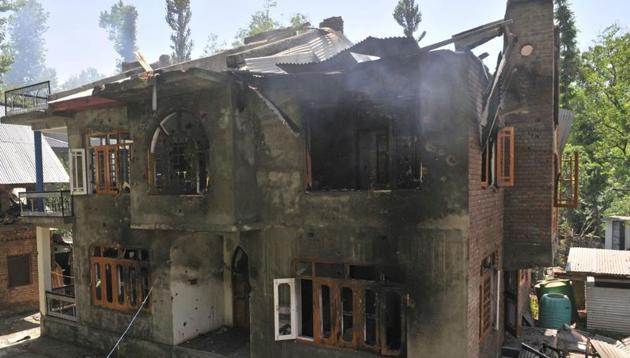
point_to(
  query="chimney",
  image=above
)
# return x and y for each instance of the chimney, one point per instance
(165, 60)
(126, 66)
(334, 23)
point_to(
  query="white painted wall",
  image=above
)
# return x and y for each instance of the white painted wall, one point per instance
(608, 234)
(196, 287)
(42, 235)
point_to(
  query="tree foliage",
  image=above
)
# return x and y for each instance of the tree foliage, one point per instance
(569, 53)
(262, 21)
(28, 47)
(6, 58)
(85, 76)
(213, 46)
(178, 16)
(407, 14)
(120, 23)
(601, 134)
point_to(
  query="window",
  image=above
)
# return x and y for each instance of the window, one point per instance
(178, 159)
(497, 160)
(19, 268)
(487, 292)
(359, 147)
(78, 176)
(120, 277)
(332, 306)
(110, 155)
(566, 187)
(505, 157)
(618, 235)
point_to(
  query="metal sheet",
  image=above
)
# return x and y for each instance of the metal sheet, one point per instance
(17, 157)
(598, 261)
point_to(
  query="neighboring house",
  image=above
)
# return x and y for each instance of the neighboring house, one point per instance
(364, 199)
(18, 249)
(617, 233)
(606, 274)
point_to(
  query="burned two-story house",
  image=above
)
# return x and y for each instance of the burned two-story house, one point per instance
(305, 196)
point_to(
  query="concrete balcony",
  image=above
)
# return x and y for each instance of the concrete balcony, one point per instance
(47, 208)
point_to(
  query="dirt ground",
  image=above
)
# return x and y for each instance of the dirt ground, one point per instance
(20, 338)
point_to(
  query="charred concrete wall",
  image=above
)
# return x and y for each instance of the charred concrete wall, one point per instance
(424, 232)
(528, 106)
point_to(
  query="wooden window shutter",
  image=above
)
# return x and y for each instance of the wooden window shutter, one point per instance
(567, 181)
(505, 157)
(485, 167)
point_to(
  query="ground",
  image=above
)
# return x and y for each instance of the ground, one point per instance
(20, 338)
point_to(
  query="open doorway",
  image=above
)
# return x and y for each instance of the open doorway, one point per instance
(240, 290)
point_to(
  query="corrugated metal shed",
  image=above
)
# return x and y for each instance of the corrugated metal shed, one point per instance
(17, 157)
(598, 262)
(606, 350)
(607, 308)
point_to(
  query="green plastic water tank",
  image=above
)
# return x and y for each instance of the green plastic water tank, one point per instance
(555, 310)
(561, 286)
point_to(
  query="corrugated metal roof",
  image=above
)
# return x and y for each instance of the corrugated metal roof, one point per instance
(598, 261)
(606, 350)
(324, 45)
(17, 157)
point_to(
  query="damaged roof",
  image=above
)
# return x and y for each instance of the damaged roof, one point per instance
(598, 262)
(17, 157)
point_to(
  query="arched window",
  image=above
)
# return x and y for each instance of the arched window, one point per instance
(178, 160)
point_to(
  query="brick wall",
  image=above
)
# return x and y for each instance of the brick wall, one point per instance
(528, 106)
(18, 240)
(486, 227)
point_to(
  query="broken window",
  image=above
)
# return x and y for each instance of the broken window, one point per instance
(361, 148)
(78, 175)
(566, 185)
(618, 235)
(342, 305)
(120, 277)
(110, 155)
(178, 159)
(19, 270)
(285, 317)
(497, 159)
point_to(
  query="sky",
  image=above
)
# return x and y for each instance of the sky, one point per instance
(75, 41)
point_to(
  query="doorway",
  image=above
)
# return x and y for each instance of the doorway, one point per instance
(240, 290)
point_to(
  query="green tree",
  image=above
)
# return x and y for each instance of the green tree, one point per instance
(298, 20)
(178, 16)
(6, 58)
(569, 53)
(85, 76)
(28, 47)
(407, 14)
(213, 46)
(120, 23)
(261, 21)
(601, 134)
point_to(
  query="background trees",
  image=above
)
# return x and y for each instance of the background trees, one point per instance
(407, 14)
(120, 23)
(178, 16)
(28, 47)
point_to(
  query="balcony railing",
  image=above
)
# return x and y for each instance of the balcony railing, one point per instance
(27, 99)
(46, 204)
(60, 303)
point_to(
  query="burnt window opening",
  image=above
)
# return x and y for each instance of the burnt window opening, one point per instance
(110, 154)
(343, 305)
(119, 278)
(178, 158)
(19, 270)
(360, 147)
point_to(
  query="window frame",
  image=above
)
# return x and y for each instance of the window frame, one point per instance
(572, 163)
(505, 151)
(292, 308)
(336, 285)
(11, 282)
(78, 155)
(114, 143)
(99, 284)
